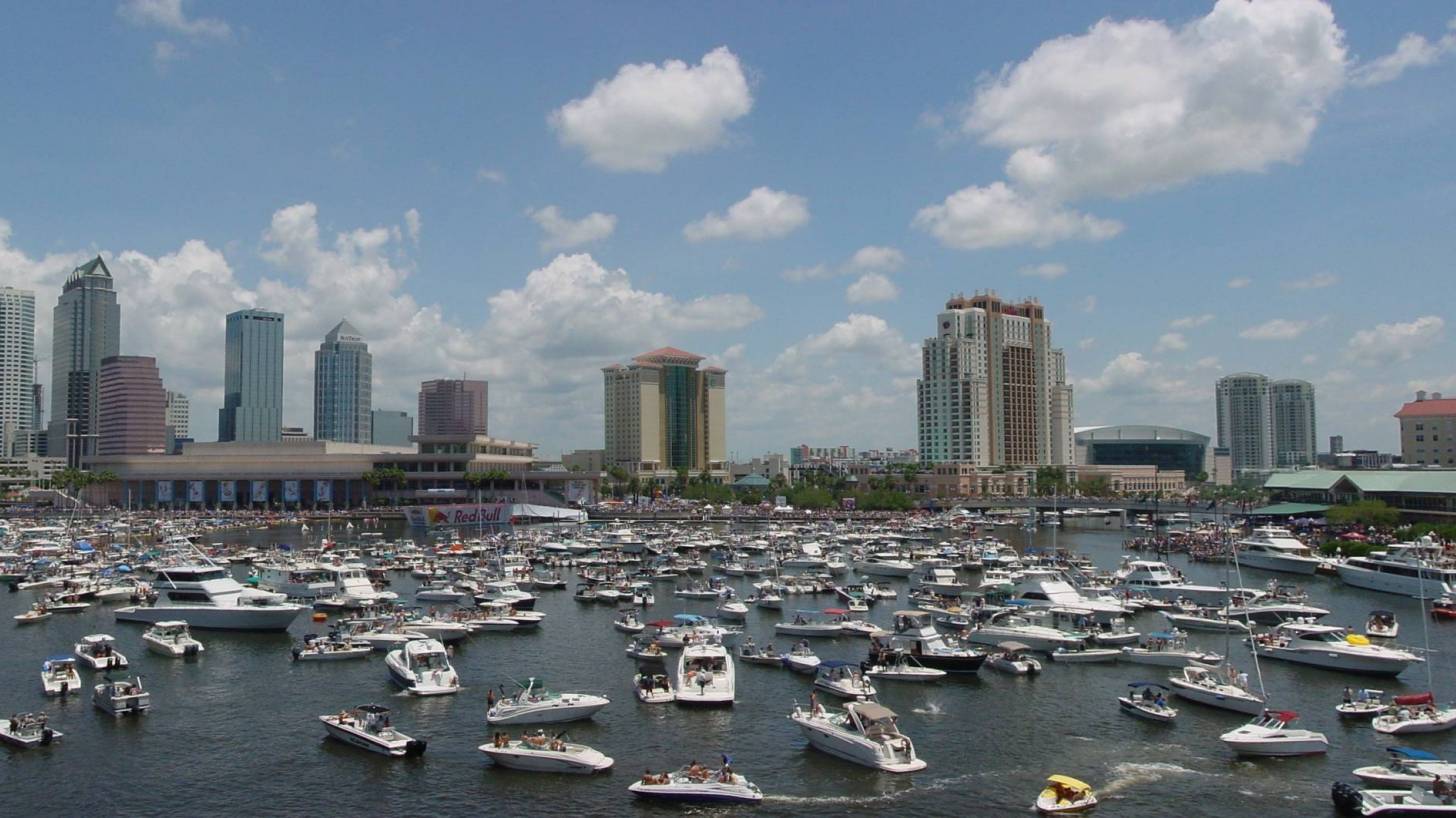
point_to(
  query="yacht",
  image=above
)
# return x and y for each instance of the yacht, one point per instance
(208, 597)
(99, 652)
(915, 635)
(122, 697)
(1331, 648)
(1010, 626)
(884, 564)
(1045, 588)
(1416, 569)
(58, 676)
(704, 675)
(1269, 735)
(351, 583)
(504, 590)
(940, 579)
(27, 730)
(864, 733)
(1275, 549)
(294, 580)
(1157, 580)
(368, 726)
(1217, 689)
(421, 667)
(534, 704)
(545, 755)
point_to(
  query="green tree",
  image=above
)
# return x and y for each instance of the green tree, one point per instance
(680, 480)
(1051, 480)
(1097, 486)
(1365, 513)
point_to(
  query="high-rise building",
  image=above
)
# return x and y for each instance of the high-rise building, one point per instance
(17, 369)
(389, 427)
(132, 407)
(1246, 421)
(86, 327)
(1294, 426)
(1337, 444)
(453, 407)
(343, 373)
(663, 413)
(1428, 430)
(252, 399)
(993, 389)
(179, 415)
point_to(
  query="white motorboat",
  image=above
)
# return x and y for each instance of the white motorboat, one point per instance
(939, 579)
(647, 649)
(1086, 655)
(1366, 703)
(532, 703)
(699, 785)
(351, 583)
(1269, 734)
(1275, 549)
(27, 730)
(1408, 767)
(750, 652)
(441, 630)
(98, 651)
(1214, 688)
(504, 590)
(1145, 700)
(422, 668)
(1205, 619)
(1010, 657)
(1415, 713)
(1382, 625)
(171, 638)
(705, 675)
(915, 634)
(1010, 626)
(122, 697)
(900, 667)
(1169, 649)
(541, 754)
(37, 613)
(207, 597)
(1331, 648)
(857, 627)
(767, 600)
(58, 676)
(865, 733)
(843, 679)
(1046, 588)
(732, 609)
(368, 726)
(653, 688)
(296, 580)
(1274, 612)
(441, 591)
(1417, 569)
(1413, 801)
(381, 634)
(801, 658)
(884, 564)
(628, 622)
(809, 623)
(1158, 580)
(332, 648)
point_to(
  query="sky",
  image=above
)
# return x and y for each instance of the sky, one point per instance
(528, 192)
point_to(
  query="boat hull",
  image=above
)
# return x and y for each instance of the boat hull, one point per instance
(402, 746)
(544, 714)
(1429, 586)
(854, 750)
(206, 617)
(540, 761)
(1213, 698)
(1342, 662)
(1304, 566)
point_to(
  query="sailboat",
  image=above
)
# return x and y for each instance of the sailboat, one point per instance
(1417, 713)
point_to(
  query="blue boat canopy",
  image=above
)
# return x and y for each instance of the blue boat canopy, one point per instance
(1146, 684)
(1163, 635)
(1413, 753)
(62, 658)
(1018, 602)
(689, 618)
(837, 663)
(84, 547)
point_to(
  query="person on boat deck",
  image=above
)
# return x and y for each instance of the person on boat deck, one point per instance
(1160, 701)
(1349, 695)
(1147, 694)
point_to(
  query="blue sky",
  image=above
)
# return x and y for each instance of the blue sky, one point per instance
(529, 192)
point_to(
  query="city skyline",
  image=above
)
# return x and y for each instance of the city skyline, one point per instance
(749, 239)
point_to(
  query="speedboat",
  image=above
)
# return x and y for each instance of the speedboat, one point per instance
(121, 697)
(332, 648)
(1225, 690)
(98, 651)
(540, 754)
(1010, 626)
(368, 726)
(705, 675)
(750, 652)
(422, 668)
(1417, 569)
(171, 638)
(900, 667)
(865, 733)
(1352, 800)
(1205, 619)
(1064, 795)
(857, 627)
(58, 676)
(1010, 657)
(653, 688)
(37, 613)
(732, 609)
(1275, 549)
(1382, 625)
(801, 658)
(504, 590)
(534, 704)
(1158, 580)
(915, 634)
(807, 623)
(884, 564)
(1441, 608)
(27, 730)
(1362, 704)
(698, 785)
(1408, 767)
(1269, 734)
(1169, 649)
(440, 591)
(1086, 655)
(1416, 713)
(1142, 702)
(629, 623)
(1331, 648)
(843, 679)
(208, 597)
(646, 649)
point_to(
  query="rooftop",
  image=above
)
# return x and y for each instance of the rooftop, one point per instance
(668, 355)
(1409, 482)
(1135, 433)
(93, 269)
(1431, 407)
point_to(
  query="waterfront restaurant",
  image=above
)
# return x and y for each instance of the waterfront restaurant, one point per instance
(320, 474)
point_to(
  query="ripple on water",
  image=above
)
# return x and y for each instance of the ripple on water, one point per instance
(1128, 774)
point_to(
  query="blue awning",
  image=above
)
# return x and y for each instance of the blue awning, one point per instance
(1413, 753)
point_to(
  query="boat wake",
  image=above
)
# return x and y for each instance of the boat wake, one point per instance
(886, 798)
(1131, 773)
(932, 709)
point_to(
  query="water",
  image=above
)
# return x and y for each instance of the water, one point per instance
(235, 732)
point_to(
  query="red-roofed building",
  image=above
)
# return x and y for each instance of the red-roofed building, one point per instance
(1428, 430)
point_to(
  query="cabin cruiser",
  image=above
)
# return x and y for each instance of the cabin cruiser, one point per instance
(350, 582)
(540, 754)
(368, 726)
(900, 667)
(884, 564)
(865, 733)
(1157, 580)
(1275, 549)
(1351, 800)
(808, 623)
(698, 785)
(1408, 767)
(1415, 713)
(98, 651)
(1331, 648)
(915, 634)
(207, 597)
(439, 590)
(1272, 611)
(534, 704)
(1168, 649)
(1010, 657)
(704, 675)
(121, 697)
(843, 679)
(1217, 688)
(1211, 620)
(940, 579)
(801, 658)
(1417, 569)
(58, 676)
(332, 648)
(293, 580)
(422, 668)
(27, 730)
(504, 590)
(1010, 625)
(1269, 734)
(1045, 588)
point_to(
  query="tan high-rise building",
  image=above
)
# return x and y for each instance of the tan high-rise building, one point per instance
(1428, 431)
(993, 390)
(663, 413)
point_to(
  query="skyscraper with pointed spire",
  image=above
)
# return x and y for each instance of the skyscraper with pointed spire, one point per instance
(343, 372)
(86, 329)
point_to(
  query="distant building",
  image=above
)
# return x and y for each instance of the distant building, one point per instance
(589, 461)
(767, 466)
(1246, 421)
(343, 376)
(1162, 446)
(293, 434)
(252, 401)
(1337, 444)
(662, 413)
(993, 390)
(1294, 423)
(85, 328)
(1220, 466)
(132, 407)
(453, 407)
(390, 427)
(1428, 431)
(179, 415)
(17, 371)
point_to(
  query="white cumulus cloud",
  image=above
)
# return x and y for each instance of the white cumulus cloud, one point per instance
(871, 287)
(647, 114)
(1413, 51)
(170, 15)
(1276, 329)
(562, 233)
(1191, 321)
(998, 215)
(1171, 342)
(764, 214)
(814, 272)
(875, 259)
(1398, 341)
